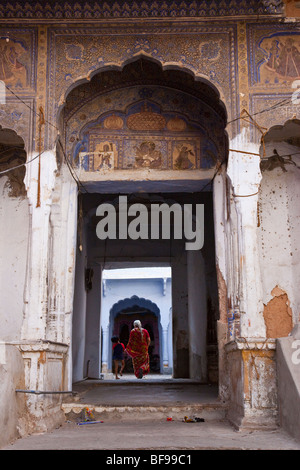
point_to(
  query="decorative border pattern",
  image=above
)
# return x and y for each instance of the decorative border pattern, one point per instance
(95, 10)
(261, 102)
(91, 50)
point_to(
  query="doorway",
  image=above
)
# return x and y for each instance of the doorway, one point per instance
(152, 136)
(143, 294)
(194, 292)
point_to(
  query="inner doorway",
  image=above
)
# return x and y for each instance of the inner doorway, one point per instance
(194, 290)
(143, 294)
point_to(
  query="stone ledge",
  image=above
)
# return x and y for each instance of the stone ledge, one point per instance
(128, 413)
(251, 344)
(42, 345)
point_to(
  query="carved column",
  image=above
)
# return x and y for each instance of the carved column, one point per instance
(36, 298)
(244, 173)
(250, 355)
(44, 358)
(61, 271)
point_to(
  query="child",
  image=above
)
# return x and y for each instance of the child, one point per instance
(118, 355)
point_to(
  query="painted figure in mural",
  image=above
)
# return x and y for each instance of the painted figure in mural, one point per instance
(283, 58)
(273, 55)
(118, 355)
(137, 348)
(104, 158)
(183, 161)
(289, 59)
(11, 69)
(147, 156)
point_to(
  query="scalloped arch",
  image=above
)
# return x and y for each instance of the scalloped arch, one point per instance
(134, 301)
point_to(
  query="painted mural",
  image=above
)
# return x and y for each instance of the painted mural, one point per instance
(168, 131)
(274, 55)
(17, 57)
(207, 51)
(252, 65)
(274, 61)
(18, 74)
(282, 58)
(12, 70)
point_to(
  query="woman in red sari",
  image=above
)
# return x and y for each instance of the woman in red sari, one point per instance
(137, 348)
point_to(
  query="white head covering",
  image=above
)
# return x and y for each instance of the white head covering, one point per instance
(137, 324)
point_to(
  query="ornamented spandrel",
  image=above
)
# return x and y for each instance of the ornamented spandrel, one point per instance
(90, 50)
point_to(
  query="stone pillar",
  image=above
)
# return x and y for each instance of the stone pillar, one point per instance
(44, 358)
(36, 298)
(197, 311)
(180, 317)
(244, 173)
(250, 355)
(93, 330)
(165, 349)
(223, 255)
(105, 346)
(170, 340)
(63, 225)
(61, 276)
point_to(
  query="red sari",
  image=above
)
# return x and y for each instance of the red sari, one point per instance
(137, 348)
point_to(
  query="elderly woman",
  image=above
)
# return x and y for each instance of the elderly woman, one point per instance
(137, 348)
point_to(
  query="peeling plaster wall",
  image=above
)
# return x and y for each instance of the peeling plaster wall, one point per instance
(253, 400)
(278, 232)
(12, 406)
(278, 315)
(14, 226)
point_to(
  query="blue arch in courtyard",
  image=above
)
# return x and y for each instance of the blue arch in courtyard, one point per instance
(132, 302)
(129, 302)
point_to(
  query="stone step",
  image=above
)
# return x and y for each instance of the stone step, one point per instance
(209, 412)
